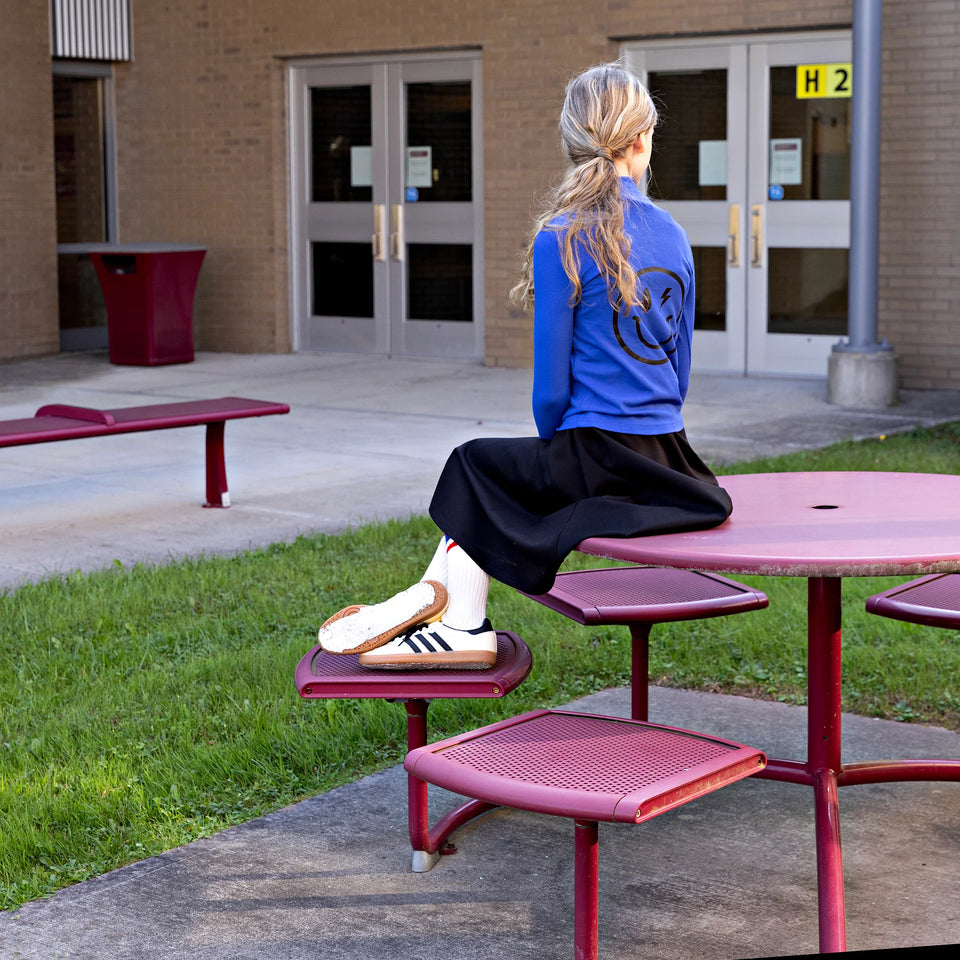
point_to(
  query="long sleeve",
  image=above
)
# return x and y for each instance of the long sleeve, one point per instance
(552, 334)
(685, 336)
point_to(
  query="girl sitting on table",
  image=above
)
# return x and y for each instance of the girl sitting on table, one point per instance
(610, 276)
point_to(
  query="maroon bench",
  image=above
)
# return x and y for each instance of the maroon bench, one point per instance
(62, 422)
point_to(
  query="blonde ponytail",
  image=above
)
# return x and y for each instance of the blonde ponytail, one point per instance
(604, 111)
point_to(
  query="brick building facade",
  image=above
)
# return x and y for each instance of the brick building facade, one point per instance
(204, 121)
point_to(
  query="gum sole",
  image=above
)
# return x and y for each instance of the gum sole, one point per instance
(340, 614)
(428, 614)
(461, 660)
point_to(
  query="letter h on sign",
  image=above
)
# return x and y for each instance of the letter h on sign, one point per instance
(829, 80)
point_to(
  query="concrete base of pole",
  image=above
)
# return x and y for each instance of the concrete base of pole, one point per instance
(862, 379)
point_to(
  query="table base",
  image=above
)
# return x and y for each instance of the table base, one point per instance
(823, 770)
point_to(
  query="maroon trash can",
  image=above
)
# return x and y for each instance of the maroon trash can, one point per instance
(148, 290)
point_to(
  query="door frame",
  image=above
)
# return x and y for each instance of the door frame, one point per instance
(745, 347)
(392, 333)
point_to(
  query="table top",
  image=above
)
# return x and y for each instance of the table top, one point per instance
(829, 524)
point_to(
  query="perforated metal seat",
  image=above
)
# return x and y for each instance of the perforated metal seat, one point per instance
(933, 601)
(588, 768)
(640, 597)
(321, 675)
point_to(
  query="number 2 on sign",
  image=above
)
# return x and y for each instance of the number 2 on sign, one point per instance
(824, 80)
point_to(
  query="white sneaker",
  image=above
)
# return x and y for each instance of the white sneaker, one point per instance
(436, 647)
(359, 628)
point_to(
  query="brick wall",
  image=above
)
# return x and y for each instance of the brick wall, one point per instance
(202, 144)
(28, 237)
(920, 190)
(206, 95)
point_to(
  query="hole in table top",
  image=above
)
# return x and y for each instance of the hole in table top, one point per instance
(826, 506)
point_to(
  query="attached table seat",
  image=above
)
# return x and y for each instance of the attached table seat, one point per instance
(639, 597)
(588, 768)
(933, 601)
(321, 675)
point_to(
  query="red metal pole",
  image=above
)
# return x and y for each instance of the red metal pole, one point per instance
(417, 811)
(586, 903)
(639, 670)
(823, 752)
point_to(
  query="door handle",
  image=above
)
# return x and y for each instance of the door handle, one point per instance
(396, 231)
(379, 232)
(756, 235)
(733, 236)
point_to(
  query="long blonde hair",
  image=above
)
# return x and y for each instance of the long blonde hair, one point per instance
(604, 111)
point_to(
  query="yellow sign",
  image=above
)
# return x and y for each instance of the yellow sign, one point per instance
(824, 80)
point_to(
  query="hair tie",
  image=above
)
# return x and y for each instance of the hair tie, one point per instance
(605, 153)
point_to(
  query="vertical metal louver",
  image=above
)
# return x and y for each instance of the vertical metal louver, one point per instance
(91, 29)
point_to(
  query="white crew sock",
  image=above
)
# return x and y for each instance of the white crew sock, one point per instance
(467, 586)
(437, 570)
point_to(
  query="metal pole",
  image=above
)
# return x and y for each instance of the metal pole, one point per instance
(865, 178)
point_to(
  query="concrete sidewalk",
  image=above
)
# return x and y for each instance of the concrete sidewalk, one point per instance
(731, 875)
(366, 439)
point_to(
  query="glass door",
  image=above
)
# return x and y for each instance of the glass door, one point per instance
(799, 198)
(387, 230)
(698, 172)
(755, 166)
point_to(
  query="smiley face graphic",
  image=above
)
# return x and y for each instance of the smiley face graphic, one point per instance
(651, 338)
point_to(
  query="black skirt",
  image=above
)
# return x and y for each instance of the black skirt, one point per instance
(518, 506)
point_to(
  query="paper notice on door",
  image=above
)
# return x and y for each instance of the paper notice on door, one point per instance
(361, 166)
(713, 163)
(419, 167)
(786, 161)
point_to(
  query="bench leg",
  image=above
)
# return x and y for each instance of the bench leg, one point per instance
(217, 493)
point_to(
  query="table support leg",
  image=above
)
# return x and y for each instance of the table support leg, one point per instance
(639, 670)
(833, 924)
(823, 752)
(586, 903)
(429, 843)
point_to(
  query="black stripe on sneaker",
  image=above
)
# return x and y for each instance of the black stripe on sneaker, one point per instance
(429, 642)
(442, 643)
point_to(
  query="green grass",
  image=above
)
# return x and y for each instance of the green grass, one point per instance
(142, 708)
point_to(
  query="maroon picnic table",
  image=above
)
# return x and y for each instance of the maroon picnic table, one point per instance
(823, 526)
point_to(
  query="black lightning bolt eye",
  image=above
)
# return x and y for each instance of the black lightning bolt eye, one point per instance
(665, 296)
(646, 301)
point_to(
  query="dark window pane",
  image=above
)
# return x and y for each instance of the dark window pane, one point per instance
(710, 267)
(342, 280)
(79, 157)
(808, 291)
(690, 143)
(80, 172)
(81, 299)
(340, 144)
(440, 282)
(439, 151)
(809, 142)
